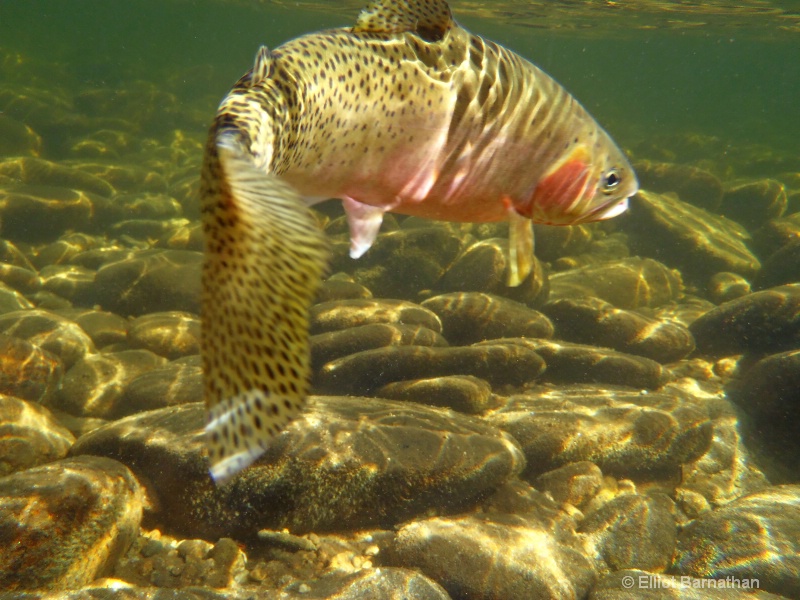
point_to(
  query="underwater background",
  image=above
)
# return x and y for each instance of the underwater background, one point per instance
(623, 425)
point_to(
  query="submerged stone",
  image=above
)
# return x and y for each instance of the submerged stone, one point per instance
(469, 317)
(27, 371)
(625, 432)
(462, 393)
(483, 267)
(66, 523)
(94, 386)
(723, 287)
(337, 315)
(766, 321)
(593, 321)
(35, 214)
(629, 283)
(326, 347)
(632, 531)
(780, 268)
(754, 537)
(496, 555)
(579, 363)
(40, 172)
(752, 203)
(178, 382)
(29, 436)
(49, 331)
(365, 372)
(150, 281)
(698, 242)
(346, 463)
(692, 184)
(575, 483)
(169, 334)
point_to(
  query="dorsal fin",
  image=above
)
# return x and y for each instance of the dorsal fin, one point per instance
(262, 67)
(431, 19)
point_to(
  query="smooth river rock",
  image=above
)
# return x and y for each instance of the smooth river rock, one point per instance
(346, 463)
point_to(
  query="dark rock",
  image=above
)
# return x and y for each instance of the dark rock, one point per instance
(104, 328)
(752, 203)
(496, 556)
(578, 363)
(575, 483)
(685, 312)
(469, 317)
(29, 436)
(780, 268)
(179, 382)
(630, 283)
(337, 315)
(20, 278)
(754, 537)
(49, 331)
(35, 214)
(66, 523)
(339, 288)
(147, 229)
(124, 177)
(71, 282)
(18, 139)
(627, 433)
(632, 531)
(169, 334)
(775, 234)
(593, 321)
(94, 386)
(691, 184)
(347, 463)
(326, 347)
(553, 243)
(462, 393)
(150, 281)
(696, 241)
(11, 300)
(365, 372)
(769, 393)
(403, 262)
(606, 248)
(483, 267)
(27, 371)
(766, 321)
(39, 172)
(727, 286)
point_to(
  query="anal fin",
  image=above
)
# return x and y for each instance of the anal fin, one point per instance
(520, 247)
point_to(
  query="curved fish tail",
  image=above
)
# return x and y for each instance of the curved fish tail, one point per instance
(264, 259)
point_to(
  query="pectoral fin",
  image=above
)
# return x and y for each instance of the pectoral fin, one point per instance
(520, 247)
(364, 222)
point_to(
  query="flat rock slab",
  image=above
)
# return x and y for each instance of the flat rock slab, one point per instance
(596, 322)
(347, 463)
(625, 432)
(766, 321)
(66, 523)
(629, 283)
(756, 536)
(365, 372)
(469, 317)
(341, 314)
(329, 346)
(579, 363)
(697, 241)
(495, 556)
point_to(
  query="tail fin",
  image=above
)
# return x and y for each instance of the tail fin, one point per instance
(264, 260)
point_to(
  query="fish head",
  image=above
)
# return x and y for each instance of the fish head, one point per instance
(587, 182)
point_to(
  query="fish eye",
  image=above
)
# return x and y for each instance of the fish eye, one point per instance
(611, 180)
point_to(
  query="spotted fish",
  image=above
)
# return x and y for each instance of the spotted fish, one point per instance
(404, 112)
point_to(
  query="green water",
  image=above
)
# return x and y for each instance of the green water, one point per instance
(734, 78)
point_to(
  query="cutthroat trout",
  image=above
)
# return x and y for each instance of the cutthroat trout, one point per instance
(404, 112)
